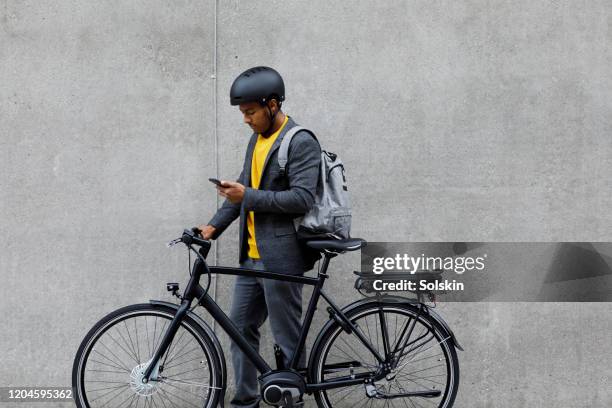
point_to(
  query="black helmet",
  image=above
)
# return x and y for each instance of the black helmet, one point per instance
(258, 84)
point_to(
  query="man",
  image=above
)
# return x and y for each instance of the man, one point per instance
(267, 202)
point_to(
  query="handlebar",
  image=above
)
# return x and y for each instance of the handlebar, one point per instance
(193, 236)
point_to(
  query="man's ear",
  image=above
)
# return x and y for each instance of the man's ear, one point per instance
(273, 105)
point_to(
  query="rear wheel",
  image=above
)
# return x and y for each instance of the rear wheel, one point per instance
(110, 362)
(427, 365)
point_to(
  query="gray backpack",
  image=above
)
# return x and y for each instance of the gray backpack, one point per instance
(330, 217)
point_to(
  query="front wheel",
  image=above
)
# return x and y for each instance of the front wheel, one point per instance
(426, 367)
(108, 367)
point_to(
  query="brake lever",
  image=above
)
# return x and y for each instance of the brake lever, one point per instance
(174, 242)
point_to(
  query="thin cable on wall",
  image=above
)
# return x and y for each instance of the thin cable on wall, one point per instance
(215, 136)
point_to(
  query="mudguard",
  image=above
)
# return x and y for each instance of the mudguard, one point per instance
(208, 330)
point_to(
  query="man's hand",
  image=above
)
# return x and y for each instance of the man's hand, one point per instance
(231, 190)
(207, 231)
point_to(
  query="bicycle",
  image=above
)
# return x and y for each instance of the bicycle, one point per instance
(377, 351)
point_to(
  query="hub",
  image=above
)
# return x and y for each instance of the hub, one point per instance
(137, 383)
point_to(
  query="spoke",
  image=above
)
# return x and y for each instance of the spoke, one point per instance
(352, 349)
(120, 392)
(424, 378)
(172, 346)
(401, 389)
(108, 388)
(404, 399)
(365, 397)
(419, 384)
(438, 343)
(350, 358)
(122, 348)
(137, 343)
(394, 333)
(189, 382)
(147, 330)
(196, 348)
(135, 398)
(342, 389)
(425, 358)
(132, 343)
(123, 401)
(427, 336)
(339, 357)
(121, 367)
(368, 329)
(169, 400)
(346, 395)
(182, 399)
(115, 387)
(105, 371)
(185, 372)
(113, 354)
(376, 325)
(162, 399)
(182, 363)
(432, 376)
(369, 335)
(176, 353)
(109, 365)
(426, 400)
(423, 369)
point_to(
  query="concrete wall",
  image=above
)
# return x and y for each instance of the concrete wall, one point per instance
(457, 120)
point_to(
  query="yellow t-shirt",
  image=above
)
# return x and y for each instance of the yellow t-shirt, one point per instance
(262, 148)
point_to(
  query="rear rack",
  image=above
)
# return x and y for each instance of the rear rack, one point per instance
(365, 282)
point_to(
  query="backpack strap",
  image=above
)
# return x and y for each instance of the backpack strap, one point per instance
(283, 150)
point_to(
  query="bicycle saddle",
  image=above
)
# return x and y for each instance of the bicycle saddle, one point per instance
(337, 245)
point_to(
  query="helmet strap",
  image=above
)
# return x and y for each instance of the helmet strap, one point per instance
(271, 117)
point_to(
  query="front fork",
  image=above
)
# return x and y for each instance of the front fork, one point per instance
(186, 299)
(165, 343)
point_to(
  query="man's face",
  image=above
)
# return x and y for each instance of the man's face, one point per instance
(256, 115)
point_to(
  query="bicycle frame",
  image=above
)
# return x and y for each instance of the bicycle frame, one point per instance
(195, 291)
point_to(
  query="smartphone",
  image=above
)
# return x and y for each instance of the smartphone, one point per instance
(215, 181)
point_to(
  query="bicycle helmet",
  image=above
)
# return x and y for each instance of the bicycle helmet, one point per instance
(258, 84)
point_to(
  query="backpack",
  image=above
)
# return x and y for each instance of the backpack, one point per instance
(330, 216)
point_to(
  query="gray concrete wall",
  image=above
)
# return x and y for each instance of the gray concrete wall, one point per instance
(457, 120)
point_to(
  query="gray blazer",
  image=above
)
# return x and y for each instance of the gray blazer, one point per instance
(276, 203)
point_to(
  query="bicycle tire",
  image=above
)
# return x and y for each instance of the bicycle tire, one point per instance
(325, 364)
(207, 362)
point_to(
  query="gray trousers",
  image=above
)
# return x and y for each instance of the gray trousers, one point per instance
(254, 300)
